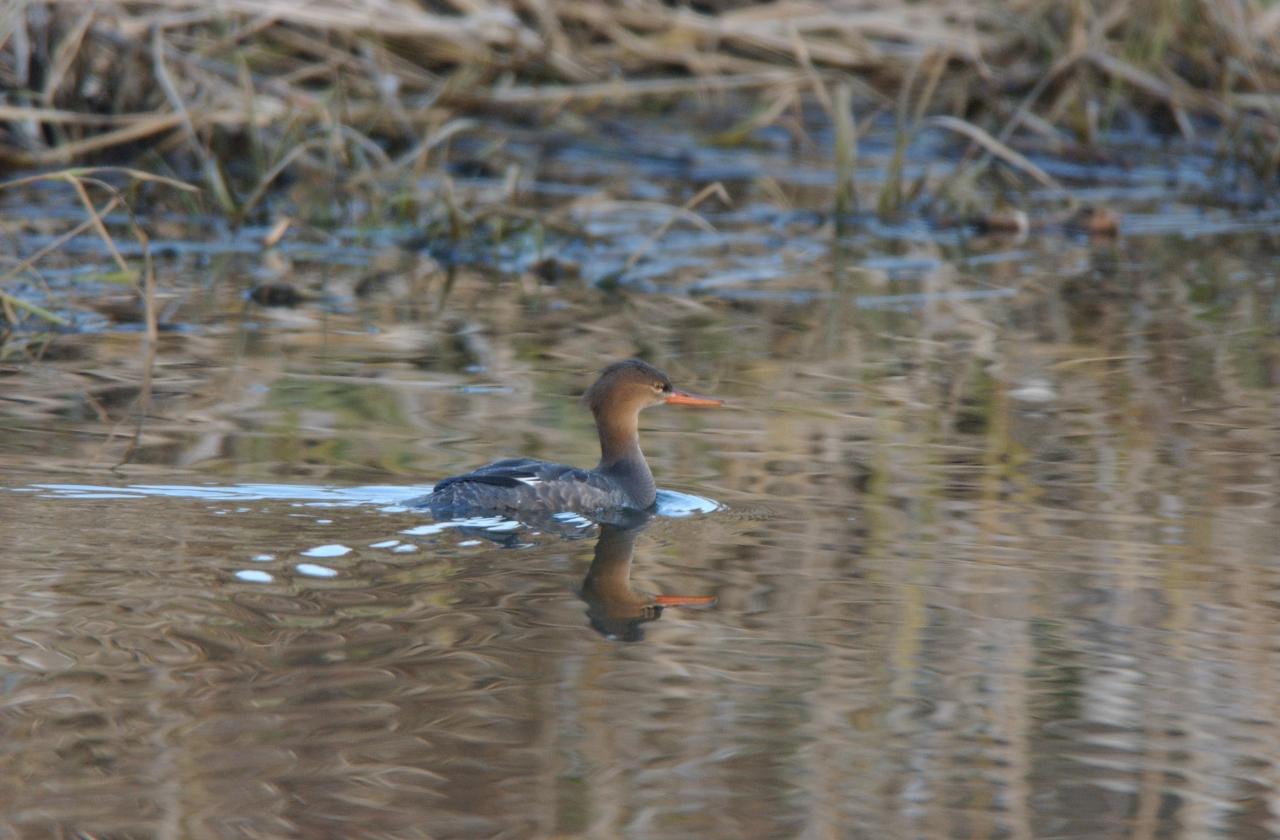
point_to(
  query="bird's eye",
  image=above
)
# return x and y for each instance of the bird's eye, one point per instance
(666, 387)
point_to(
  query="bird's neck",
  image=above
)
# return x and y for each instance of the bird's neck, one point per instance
(622, 460)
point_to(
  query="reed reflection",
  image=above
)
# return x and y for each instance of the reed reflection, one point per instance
(616, 610)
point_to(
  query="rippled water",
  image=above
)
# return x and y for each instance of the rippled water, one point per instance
(986, 543)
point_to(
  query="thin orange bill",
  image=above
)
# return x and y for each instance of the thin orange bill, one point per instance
(685, 398)
(684, 600)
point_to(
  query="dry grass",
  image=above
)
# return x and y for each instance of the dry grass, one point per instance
(80, 181)
(361, 97)
(373, 83)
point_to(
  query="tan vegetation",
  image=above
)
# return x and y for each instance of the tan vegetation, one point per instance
(381, 82)
(360, 96)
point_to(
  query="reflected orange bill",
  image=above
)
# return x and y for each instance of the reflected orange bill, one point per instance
(684, 600)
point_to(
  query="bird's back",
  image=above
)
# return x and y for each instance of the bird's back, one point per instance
(517, 485)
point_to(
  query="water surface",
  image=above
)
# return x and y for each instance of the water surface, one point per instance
(990, 526)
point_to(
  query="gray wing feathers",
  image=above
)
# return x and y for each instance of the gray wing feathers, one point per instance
(524, 484)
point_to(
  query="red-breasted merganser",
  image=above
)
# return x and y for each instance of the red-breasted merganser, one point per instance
(621, 480)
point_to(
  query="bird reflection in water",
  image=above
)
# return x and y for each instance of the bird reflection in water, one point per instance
(615, 609)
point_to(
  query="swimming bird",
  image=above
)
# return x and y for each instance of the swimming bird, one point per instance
(621, 480)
